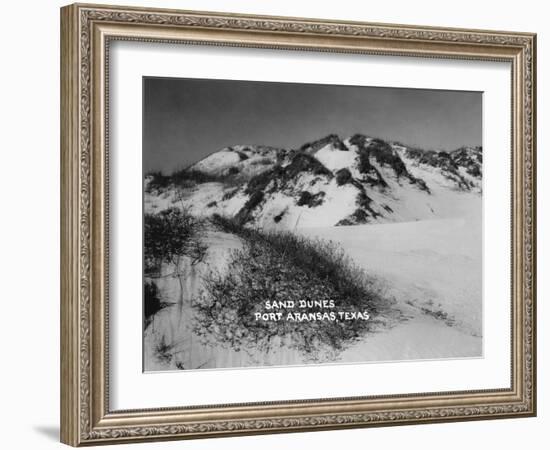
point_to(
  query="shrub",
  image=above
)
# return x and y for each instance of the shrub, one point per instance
(359, 216)
(343, 176)
(364, 165)
(420, 183)
(302, 162)
(261, 181)
(363, 200)
(373, 176)
(265, 161)
(381, 151)
(323, 258)
(358, 140)
(332, 139)
(242, 156)
(164, 352)
(157, 182)
(191, 177)
(279, 216)
(311, 200)
(245, 213)
(170, 234)
(279, 266)
(384, 154)
(439, 159)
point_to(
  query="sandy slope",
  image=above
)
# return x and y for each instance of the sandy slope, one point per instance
(433, 270)
(421, 337)
(171, 330)
(423, 241)
(172, 326)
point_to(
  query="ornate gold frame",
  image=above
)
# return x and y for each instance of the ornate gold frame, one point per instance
(86, 31)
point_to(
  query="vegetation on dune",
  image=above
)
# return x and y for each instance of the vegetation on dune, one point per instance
(245, 213)
(381, 152)
(157, 182)
(187, 178)
(374, 149)
(170, 235)
(385, 155)
(230, 194)
(310, 200)
(343, 176)
(434, 158)
(191, 177)
(303, 162)
(470, 158)
(278, 178)
(282, 266)
(449, 163)
(274, 266)
(359, 216)
(280, 216)
(364, 165)
(332, 139)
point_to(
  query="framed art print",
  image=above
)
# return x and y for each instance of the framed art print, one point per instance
(275, 224)
(334, 250)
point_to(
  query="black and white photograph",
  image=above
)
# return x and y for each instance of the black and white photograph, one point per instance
(289, 224)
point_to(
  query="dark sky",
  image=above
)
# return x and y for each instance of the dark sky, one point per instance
(187, 119)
